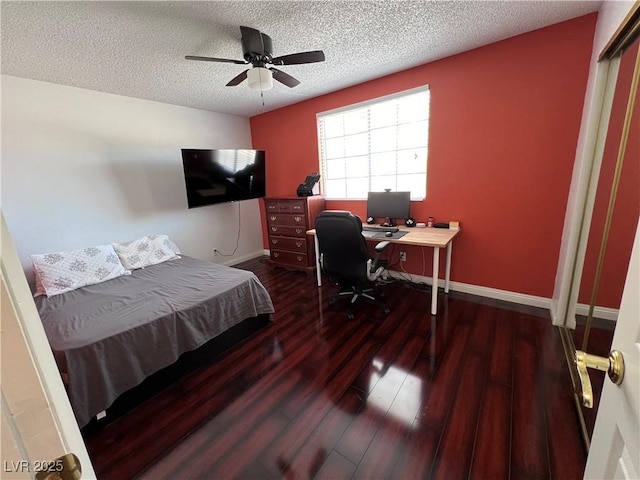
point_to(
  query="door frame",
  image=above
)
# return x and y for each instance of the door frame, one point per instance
(615, 20)
(37, 416)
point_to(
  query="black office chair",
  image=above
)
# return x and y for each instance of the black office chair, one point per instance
(344, 256)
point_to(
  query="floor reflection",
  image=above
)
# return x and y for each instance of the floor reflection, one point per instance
(396, 392)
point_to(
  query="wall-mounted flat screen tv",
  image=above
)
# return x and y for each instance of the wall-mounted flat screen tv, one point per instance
(223, 175)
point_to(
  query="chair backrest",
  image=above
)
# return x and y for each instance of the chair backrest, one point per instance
(343, 249)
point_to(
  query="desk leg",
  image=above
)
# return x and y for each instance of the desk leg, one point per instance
(447, 271)
(318, 273)
(434, 287)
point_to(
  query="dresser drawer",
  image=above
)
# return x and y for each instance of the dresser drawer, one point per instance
(290, 244)
(289, 258)
(285, 219)
(275, 206)
(298, 206)
(285, 206)
(287, 231)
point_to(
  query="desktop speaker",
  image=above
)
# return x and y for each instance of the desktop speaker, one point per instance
(410, 222)
(371, 220)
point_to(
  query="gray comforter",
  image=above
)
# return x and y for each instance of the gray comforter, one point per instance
(109, 337)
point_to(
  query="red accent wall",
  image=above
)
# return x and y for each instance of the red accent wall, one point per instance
(503, 131)
(627, 206)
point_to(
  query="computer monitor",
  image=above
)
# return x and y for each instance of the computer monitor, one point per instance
(389, 205)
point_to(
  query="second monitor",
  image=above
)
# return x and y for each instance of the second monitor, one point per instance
(389, 205)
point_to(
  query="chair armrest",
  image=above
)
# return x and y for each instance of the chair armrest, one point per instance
(378, 248)
(381, 246)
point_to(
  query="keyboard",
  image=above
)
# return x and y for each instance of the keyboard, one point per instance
(378, 228)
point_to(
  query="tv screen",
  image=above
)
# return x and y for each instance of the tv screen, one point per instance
(225, 175)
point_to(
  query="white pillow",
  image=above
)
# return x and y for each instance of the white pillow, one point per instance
(167, 242)
(61, 272)
(39, 287)
(146, 251)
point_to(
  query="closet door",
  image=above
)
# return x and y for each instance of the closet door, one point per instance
(609, 239)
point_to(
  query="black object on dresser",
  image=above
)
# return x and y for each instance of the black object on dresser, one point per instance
(288, 219)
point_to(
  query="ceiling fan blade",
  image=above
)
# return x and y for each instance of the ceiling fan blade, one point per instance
(284, 78)
(212, 59)
(238, 79)
(300, 58)
(254, 42)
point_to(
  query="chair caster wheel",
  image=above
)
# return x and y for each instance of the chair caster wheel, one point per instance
(350, 316)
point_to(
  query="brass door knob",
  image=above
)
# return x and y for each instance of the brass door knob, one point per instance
(613, 365)
(66, 467)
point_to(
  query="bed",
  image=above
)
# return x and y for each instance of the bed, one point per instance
(108, 337)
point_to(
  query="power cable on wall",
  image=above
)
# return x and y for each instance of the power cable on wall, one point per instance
(218, 252)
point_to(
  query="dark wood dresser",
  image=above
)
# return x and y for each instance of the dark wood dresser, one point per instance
(288, 219)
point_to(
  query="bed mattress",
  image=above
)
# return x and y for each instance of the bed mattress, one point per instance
(107, 338)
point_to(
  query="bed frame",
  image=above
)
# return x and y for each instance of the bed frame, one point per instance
(111, 337)
(189, 362)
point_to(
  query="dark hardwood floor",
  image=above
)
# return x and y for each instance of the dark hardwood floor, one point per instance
(479, 391)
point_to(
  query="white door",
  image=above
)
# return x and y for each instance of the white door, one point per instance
(615, 445)
(38, 425)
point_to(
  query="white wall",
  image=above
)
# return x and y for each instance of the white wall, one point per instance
(597, 101)
(82, 168)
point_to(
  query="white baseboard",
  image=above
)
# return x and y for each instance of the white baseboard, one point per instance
(505, 295)
(553, 309)
(495, 293)
(604, 313)
(514, 297)
(235, 260)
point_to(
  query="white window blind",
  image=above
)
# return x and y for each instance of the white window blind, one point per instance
(376, 145)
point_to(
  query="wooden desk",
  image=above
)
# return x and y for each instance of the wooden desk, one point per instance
(435, 238)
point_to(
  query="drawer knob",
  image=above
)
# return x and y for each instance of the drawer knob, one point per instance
(274, 229)
(299, 258)
(298, 244)
(298, 230)
(276, 254)
(274, 241)
(297, 219)
(273, 218)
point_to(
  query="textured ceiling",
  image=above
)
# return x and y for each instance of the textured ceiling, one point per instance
(137, 49)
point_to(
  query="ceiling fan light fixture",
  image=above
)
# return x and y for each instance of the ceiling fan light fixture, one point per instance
(260, 78)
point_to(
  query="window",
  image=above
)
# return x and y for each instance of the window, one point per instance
(376, 145)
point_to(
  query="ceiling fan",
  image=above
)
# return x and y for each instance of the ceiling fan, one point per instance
(258, 51)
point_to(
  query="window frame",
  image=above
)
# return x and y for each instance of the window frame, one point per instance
(364, 104)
